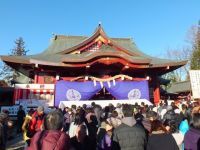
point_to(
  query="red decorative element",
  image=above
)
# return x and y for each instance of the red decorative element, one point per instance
(86, 46)
(139, 79)
(99, 43)
(156, 93)
(27, 93)
(36, 78)
(107, 62)
(15, 95)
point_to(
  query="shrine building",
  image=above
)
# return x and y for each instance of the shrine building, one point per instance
(97, 67)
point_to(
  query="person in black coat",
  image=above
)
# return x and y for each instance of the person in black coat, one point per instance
(2, 133)
(81, 141)
(159, 139)
(20, 119)
(5, 123)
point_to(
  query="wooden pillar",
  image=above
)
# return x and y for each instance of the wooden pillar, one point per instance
(156, 91)
(36, 77)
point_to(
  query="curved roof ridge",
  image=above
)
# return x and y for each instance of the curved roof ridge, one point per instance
(100, 32)
(62, 44)
(186, 81)
(60, 36)
(77, 36)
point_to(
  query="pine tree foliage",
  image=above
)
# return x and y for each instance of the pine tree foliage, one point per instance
(195, 57)
(7, 73)
(19, 50)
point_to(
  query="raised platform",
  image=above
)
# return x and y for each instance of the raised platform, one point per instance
(103, 103)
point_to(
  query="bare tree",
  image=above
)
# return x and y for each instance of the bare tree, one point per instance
(180, 74)
(190, 53)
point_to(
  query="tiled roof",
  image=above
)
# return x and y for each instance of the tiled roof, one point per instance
(61, 47)
(179, 87)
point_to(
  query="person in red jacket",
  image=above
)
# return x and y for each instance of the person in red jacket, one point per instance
(36, 122)
(52, 137)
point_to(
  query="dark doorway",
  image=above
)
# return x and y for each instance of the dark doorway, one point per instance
(103, 94)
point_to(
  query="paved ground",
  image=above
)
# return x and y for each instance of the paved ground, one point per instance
(15, 141)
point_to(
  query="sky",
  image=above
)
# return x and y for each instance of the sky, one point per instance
(154, 25)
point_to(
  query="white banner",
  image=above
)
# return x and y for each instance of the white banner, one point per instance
(103, 103)
(34, 86)
(35, 92)
(195, 83)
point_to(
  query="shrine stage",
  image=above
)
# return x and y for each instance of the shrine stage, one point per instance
(103, 103)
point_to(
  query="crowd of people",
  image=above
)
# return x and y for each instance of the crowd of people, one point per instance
(5, 123)
(124, 127)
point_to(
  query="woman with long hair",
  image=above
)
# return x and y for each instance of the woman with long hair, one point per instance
(171, 127)
(78, 120)
(160, 139)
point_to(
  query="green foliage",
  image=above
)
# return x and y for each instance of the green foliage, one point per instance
(195, 58)
(173, 77)
(19, 50)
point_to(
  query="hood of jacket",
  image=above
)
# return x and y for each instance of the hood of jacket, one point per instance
(130, 121)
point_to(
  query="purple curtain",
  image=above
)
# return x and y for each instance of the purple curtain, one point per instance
(129, 89)
(75, 91)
